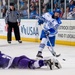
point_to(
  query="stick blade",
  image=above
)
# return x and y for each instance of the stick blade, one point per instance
(58, 55)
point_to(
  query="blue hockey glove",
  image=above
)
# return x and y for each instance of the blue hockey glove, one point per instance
(51, 31)
(40, 22)
(47, 33)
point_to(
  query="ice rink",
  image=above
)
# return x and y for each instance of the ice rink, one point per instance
(30, 49)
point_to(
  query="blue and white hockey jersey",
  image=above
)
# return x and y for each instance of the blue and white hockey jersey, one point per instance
(49, 22)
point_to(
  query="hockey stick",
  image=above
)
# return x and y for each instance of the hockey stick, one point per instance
(56, 55)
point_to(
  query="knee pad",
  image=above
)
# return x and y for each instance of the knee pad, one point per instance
(42, 45)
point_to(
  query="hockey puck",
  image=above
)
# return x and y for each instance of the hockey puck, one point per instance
(64, 59)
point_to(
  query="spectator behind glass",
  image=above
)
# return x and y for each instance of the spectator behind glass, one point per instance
(66, 15)
(33, 12)
(3, 12)
(62, 12)
(37, 12)
(49, 6)
(55, 5)
(71, 5)
(23, 13)
(21, 3)
(32, 4)
(37, 5)
(72, 14)
(3, 2)
(44, 11)
(23, 10)
(60, 3)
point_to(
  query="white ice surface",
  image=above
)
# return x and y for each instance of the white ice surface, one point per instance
(30, 49)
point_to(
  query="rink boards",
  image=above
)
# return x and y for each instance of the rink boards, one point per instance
(30, 31)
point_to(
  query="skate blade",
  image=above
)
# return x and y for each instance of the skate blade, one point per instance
(38, 58)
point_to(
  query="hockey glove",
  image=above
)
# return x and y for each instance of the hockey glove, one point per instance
(51, 31)
(40, 22)
(47, 33)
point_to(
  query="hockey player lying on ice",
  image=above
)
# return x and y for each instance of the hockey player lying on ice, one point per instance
(23, 62)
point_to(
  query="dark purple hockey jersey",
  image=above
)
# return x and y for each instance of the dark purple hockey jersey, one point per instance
(18, 62)
(4, 60)
(21, 62)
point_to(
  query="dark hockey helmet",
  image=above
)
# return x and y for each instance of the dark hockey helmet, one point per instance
(58, 11)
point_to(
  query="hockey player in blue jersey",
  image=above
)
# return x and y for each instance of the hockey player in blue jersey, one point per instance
(51, 22)
(23, 62)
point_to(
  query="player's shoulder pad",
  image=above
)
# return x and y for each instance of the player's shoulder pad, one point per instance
(51, 13)
(44, 14)
(59, 21)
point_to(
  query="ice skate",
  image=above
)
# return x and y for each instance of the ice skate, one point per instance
(57, 64)
(50, 63)
(39, 55)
